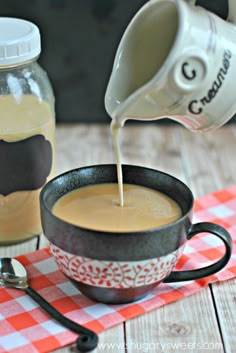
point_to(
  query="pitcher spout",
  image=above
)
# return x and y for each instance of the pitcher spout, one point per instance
(141, 54)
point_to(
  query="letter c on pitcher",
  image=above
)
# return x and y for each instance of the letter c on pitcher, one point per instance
(193, 107)
(189, 75)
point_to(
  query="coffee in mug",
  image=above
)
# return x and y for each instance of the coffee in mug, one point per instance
(97, 207)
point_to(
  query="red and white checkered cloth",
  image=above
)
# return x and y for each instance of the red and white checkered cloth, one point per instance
(24, 327)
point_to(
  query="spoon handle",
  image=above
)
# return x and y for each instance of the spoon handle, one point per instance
(86, 341)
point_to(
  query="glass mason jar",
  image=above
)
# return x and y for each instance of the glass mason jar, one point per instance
(27, 127)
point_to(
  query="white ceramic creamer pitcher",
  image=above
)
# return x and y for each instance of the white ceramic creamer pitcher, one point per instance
(175, 60)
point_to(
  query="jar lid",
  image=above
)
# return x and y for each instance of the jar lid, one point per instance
(19, 41)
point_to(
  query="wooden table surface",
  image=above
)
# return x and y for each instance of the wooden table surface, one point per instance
(206, 321)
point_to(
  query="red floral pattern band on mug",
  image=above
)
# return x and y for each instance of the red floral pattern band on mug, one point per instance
(115, 274)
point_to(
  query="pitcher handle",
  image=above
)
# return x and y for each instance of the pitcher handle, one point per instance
(232, 11)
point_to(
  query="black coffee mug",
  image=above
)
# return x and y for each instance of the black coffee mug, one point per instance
(123, 267)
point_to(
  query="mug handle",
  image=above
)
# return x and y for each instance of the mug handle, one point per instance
(220, 232)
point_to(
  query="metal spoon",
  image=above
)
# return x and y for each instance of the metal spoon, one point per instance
(13, 274)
